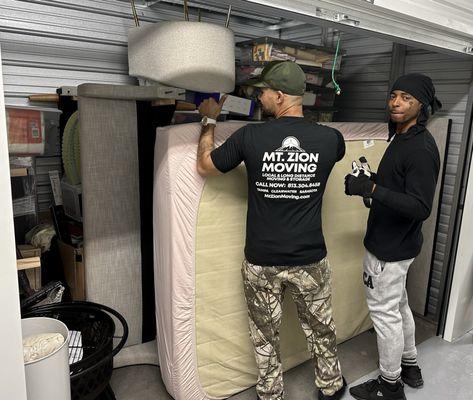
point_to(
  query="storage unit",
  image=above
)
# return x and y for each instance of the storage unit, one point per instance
(89, 45)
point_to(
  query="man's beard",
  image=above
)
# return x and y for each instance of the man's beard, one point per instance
(267, 112)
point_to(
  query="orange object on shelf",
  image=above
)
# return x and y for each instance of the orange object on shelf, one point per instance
(25, 131)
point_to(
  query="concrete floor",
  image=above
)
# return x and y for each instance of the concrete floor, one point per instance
(358, 358)
(447, 370)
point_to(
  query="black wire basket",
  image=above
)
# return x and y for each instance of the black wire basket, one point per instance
(91, 344)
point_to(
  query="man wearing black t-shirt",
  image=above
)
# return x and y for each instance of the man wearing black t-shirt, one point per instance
(402, 193)
(288, 161)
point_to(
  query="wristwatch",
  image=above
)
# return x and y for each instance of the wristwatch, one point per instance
(208, 121)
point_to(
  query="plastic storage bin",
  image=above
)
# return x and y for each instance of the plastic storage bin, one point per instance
(91, 347)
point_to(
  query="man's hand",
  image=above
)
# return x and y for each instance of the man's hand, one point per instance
(359, 185)
(210, 108)
(373, 176)
(366, 169)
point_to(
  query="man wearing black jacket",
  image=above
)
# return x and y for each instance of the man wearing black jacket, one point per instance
(402, 193)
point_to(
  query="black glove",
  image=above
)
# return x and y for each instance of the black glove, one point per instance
(373, 176)
(359, 185)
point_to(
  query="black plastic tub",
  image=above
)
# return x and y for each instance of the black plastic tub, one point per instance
(93, 349)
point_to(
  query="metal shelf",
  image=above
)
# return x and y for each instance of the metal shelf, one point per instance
(305, 68)
(318, 88)
(299, 45)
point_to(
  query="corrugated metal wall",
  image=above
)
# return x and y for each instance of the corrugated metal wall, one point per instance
(452, 78)
(45, 46)
(51, 43)
(365, 79)
(365, 83)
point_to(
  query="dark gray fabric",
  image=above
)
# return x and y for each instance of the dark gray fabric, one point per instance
(111, 210)
(120, 92)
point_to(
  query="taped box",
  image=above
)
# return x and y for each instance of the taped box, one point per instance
(74, 269)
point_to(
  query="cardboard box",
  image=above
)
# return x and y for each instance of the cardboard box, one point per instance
(72, 200)
(301, 55)
(314, 79)
(74, 269)
(309, 99)
(270, 52)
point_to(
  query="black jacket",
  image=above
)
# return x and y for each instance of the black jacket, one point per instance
(402, 200)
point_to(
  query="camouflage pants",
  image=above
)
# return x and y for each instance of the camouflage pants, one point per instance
(310, 287)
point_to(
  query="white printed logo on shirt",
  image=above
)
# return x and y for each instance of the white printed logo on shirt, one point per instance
(288, 172)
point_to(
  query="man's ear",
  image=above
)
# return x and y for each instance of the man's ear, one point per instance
(421, 107)
(280, 97)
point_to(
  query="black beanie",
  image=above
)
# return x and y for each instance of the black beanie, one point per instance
(421, 87)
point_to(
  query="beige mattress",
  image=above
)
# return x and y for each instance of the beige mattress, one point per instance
(199, 231)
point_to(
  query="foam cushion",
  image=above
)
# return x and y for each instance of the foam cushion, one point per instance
(192, 55)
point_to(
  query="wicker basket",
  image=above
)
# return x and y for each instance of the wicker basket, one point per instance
(91, 352)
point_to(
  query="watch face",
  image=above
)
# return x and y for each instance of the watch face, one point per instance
(207, 121)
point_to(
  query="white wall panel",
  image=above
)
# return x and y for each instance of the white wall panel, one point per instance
(460, 307)
(12, 370)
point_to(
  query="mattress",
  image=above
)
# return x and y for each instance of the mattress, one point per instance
(199, 231)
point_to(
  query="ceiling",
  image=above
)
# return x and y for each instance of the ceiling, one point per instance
(439, 25)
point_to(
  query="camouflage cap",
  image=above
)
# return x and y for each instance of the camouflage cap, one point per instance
(286, 76)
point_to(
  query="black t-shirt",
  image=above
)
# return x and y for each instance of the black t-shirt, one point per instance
(402, 200)
(288, 162)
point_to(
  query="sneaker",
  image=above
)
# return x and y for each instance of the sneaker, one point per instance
(337, 395)
(378, 389)
(412, 376)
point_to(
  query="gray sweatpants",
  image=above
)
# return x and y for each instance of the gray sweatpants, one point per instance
(392, 318)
